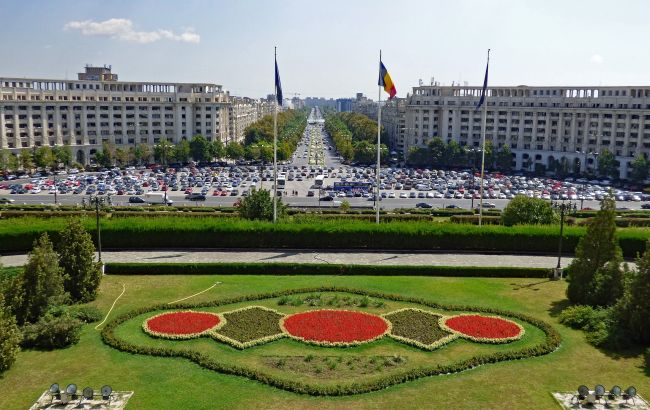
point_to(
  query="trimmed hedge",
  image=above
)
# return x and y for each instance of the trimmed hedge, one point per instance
(243, 268)
(473, 219)
(180, 232)
(551, 343)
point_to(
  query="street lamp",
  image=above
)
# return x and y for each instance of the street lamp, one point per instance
(97, 201)
(562, 207)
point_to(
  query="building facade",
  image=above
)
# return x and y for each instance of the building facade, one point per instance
(244, 111)
(98, 108)
(541, 125)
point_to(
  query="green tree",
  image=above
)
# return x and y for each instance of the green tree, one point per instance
(522, 210)
(181, 151)
(105, 157)
(41, 283)
(637, 300)
(490, 154)
(504, 159)
(266, 153)
(595, 276)
(63, 155)
(163, 152)
(607, 166)
(418, 157)
(216, 149)
(10, 337)
(234, 150)
(437, 149)
(77, 259)
(44, 157)
(259, 206)
(365, 152)
(4, 160)
(121, 157)
(142, 153)
(455, 154)
(26, 159)
(639, 172)
(200, 148)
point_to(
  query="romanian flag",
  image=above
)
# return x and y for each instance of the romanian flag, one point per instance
(385, 81)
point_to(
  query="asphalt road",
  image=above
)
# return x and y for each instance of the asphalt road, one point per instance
(297, 201)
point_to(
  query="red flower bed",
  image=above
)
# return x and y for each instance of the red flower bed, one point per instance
(484, 328)
(181, 324)
(335, 327)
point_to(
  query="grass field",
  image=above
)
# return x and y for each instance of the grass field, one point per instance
(178, 383)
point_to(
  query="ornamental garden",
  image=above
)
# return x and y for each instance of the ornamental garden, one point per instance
(380, 340)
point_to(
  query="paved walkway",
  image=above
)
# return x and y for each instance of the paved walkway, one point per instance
(303, 256)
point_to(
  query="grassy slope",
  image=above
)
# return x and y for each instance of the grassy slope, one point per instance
(169, 383)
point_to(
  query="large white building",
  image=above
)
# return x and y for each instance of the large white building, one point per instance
(541, 125)
(244, 111)
(98, 108)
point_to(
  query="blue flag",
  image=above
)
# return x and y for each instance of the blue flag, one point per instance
(485, 81)
(278, 85)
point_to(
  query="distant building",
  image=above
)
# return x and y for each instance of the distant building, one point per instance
(344, 104)
(97, 108)
(541, 125)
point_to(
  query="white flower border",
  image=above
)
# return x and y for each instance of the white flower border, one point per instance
(432, 346)
(493, 340)
(389, 327)
(239, 345)
(146, 329)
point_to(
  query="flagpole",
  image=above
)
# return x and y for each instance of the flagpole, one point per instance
(378, 148)
(483, 126)
(275, 146)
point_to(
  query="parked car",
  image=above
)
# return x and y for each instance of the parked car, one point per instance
(195, 197)
(423, 205)
(136, 200)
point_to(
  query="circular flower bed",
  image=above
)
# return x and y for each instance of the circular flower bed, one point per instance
(181, 325)
(335, 327)
(481, 328)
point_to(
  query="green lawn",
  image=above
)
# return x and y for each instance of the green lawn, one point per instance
(170, 382)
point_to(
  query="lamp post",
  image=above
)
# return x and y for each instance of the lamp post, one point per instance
(97, 201)
(562, 207)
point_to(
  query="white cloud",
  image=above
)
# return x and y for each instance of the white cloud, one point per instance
(122, 29)
(596, 59)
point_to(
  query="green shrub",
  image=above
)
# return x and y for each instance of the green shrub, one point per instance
(522, 210)
(473, 219)
(84, 313)
(188, 232)
(599, 324)
(52, 332)
(578, 316)
(283, 268)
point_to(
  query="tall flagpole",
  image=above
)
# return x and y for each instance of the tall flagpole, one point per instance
(275, 144)
(484, 123)
(378, 146)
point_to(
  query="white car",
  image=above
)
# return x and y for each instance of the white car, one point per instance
(403, 195)
(35, 190)
(391, 194)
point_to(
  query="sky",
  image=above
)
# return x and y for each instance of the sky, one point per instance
(330, 48)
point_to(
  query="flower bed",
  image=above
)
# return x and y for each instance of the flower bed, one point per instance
(335, 327)
(418, 328)
(250, 326)
(181, 325)
(480, 328)
(552, 341)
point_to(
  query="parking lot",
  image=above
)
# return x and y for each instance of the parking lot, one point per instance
(314, 176)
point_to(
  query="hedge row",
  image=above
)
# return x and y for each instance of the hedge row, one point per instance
(551, 342)
(245, 268)
(179, 232)
(473, 219)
